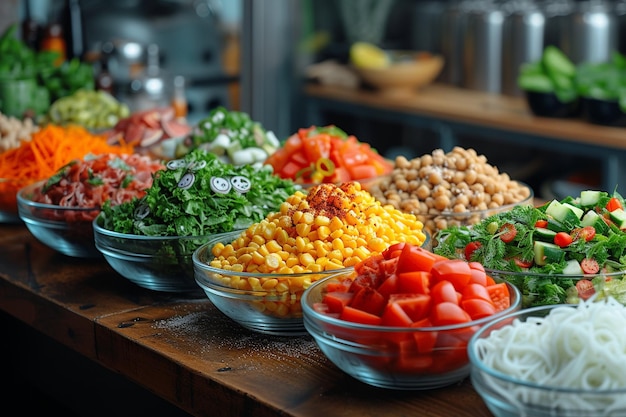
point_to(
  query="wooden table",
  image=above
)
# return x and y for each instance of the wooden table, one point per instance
(452, 111)
(182, 349)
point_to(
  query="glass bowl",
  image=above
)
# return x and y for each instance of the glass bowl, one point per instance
(265, 303)
(67, 230)
(159, 263)
(508, 384)
(377, 355)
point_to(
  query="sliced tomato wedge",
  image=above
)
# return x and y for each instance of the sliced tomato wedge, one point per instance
(614, 204)
(500, 295)
(563, 239)
(587, 233)
(585, 289)
(470, 248)
(508, 232)
(589, 266)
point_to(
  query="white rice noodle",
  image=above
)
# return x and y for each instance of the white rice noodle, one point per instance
(575, 347)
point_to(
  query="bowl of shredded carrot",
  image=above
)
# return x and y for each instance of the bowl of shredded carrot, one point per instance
(48, 149)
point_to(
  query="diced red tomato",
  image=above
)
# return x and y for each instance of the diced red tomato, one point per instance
(425, 340)
(470, 248)
(447, 313)
(416, 306)
(589, 266)
(389, 286)
(369, 300)
(508, 232)
(563, 239)
(585, 289)
(522, 263)
(541, 223)
(473, 290)
(337, 300)
(415, 258)
(478, 308)
(415, 282)
(395, 316)
(500, 295)
(587, 233)
(355, 315)
(614, 204)
(490, 281)
(393, 251)
(444, 291)
(456, 271)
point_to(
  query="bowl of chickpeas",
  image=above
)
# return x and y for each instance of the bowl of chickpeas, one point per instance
(257, 276)
(457, 188)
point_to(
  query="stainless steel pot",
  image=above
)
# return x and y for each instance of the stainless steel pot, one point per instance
(591, 32)
(523, 41)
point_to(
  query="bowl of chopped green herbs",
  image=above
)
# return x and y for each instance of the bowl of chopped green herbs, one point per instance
(151, 240)
(560, 252)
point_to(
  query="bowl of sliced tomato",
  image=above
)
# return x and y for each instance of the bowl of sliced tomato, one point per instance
(327, 154)
(403, 319)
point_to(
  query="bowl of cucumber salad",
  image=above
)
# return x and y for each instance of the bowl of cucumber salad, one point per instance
(560, 252)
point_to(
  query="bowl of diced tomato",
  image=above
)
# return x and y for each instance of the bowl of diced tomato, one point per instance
(327, 154)
(403, 319)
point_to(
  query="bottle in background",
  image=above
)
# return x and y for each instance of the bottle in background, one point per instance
(72, 21)
(179, 100)
(53, 41)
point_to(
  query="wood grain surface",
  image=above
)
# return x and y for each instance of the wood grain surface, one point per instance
(185, 351)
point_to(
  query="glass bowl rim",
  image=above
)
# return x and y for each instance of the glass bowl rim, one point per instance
(307, 310)
(560, 276)
(480, 365)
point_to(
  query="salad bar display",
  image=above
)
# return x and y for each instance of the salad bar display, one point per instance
(391, 268)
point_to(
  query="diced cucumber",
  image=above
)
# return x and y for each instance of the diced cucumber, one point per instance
(557, 226)
(545, 234)
(564, 213)
(577, 211)
(573, 268)
(618, 216)
(591, 218)
(546, 253)
(590, 198)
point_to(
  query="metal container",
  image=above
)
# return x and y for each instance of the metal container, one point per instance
(482, 55)
(453, 29)
(591, 32)
(620, 12)
(523, 41)
(557, 13)
(426, 33)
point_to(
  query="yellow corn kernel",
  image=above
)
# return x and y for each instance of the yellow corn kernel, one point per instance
(306, 259)
(244, 259)
(258, 239)
(312, 236)
(315, 267)
(282, 287)
(362, 253)
(258, 258)
(351, 261)
(273, 246)
(282, 236)
(282, 310)
(323, 232)
(263, 250)
(271, 306)
(273, 261)
(297, 217)
(217, 249)
(227, 251)
(285, 270)
(337, 234)
(231, 259)
(336, 254)
(321, 221)
(270, 284)
(268, 231)
(291, 261)
(335, 224)
(335, 264)
(254, 283)
(377, 244)
(303, 229)
(296, 282)
(300, 244)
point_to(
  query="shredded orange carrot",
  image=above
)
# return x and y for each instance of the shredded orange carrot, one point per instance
(49, 149)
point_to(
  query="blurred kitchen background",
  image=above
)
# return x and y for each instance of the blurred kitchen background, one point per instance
(253, 55)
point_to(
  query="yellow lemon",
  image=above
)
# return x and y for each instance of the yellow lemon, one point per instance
(367, 55)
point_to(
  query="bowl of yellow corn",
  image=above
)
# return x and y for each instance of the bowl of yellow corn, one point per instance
(257, 276)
